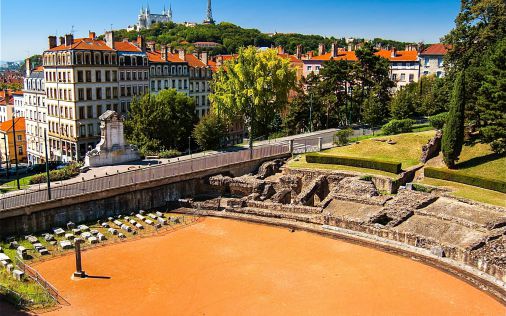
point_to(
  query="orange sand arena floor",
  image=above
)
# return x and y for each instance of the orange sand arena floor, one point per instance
(226, 267)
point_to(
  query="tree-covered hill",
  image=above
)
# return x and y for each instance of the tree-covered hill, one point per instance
(231, 37)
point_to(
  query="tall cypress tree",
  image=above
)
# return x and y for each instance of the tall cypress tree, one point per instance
(453, 132)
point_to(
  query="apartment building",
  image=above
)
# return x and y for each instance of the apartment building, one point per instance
(431, 60)
(200, 79)
(13, 137)
(34, 94)
(167, 69)
(6, 105)
(81, 82)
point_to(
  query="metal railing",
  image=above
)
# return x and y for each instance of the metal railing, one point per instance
(146, 174)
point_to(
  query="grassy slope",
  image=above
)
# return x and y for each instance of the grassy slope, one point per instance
(469, 192)
(477, 160)
(407, 150)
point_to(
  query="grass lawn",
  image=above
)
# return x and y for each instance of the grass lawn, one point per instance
(407, 150)
(477, 160)
(12, 185)
(469, 192)
(303, 164)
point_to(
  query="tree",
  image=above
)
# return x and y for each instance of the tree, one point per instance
(453, 131)
(403, 104)
(492, 99)
(333, 88)
(375, 111)
(373, 72)
(210, 132)
(479, 25)
(254, 86)
(162, 121)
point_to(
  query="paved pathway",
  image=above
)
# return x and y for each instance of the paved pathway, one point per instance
(300, 141)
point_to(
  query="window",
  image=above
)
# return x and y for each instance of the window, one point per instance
(82, 130)
(122, 75)
(108, 92)
(99, 93)
(88, 75)
(439, 74)
(19, 137)
(80, 77)
(20, 150)
(89, 111)
(309, 68)
(108, 76)
(317, 68)
(403, 77)
(99, 110)
(80, 94)
(411, 77)
(426, 62)
(90, 129)
(88, 94)
(394, 77)
(123, 106)
(440, 62)
(98, 76)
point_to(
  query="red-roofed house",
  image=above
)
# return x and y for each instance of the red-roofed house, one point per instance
(6, 105)
(7, 132)
(431, 60)
(404, 65)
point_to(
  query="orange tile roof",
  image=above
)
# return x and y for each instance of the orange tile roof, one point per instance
(84, 44)
(39, 68)
(343, 55)
(126, 47)
(17, 92)
(19, 125)
(194, 61)
(292, 58)
(212, 64)
(156, 57)
(401, 55)
(2, 97)
(435, 49)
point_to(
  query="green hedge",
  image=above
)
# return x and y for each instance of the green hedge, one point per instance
(68, 172)
(491, 184)
(392, 167)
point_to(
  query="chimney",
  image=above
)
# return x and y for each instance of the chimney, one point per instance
(69, 39)
(394, 52)
(109, 39)
(204, 57)
(51, 41)
(310, 55)
(333, 50)
(182, 54)
(151, 46)
(28, 66)
(281, 50)
(163, 51)
(62, 40)
(298, 53)
(141, 43)
(92, 35)
(350, 47)
(321, 49)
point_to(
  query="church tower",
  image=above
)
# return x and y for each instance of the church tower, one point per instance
(169, 14)
(209, 19)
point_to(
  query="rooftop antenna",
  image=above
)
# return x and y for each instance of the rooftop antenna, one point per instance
(72, 31)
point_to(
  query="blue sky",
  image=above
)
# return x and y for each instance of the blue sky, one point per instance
(25, 24)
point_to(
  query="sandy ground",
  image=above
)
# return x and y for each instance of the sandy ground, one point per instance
(225, 267)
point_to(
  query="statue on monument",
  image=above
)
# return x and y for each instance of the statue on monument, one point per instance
(112, 148)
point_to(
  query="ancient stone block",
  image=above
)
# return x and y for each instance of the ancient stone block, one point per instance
(18, 275)
(83, 228)
(71, 225)
(65, 244)
(59, 231)
(69, 236)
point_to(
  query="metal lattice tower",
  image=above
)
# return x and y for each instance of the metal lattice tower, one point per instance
(209, 19)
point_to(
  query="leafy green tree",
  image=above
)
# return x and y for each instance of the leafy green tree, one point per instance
(375, 111)
(492, 99)
(453, 131)
(210, 132)
(253, 86)
(162, 121)
(403, 104)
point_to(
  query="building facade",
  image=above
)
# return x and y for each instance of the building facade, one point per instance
(431, 60)
(81, 81)
(6, 105)
(167, 69)
(19, 107)
(35, 114)
(13, 140)
(200, 77)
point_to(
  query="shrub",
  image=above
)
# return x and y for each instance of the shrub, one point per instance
(67, 172)
(342, 137)
(398, 126)
(392, 167)
(491, 184)
(438, 121)
(209, 132)
(171, 153)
